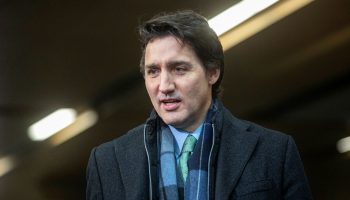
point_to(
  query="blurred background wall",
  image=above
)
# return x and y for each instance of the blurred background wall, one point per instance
(292, 75)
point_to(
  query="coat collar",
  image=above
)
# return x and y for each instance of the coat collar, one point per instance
(236, 145)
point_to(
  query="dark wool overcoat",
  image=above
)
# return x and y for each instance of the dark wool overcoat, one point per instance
(248, 162)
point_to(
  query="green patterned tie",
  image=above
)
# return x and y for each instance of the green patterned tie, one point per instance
(186, 152)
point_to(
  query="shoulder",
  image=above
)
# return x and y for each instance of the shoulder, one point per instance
(272, 142)
(266, 133)
(134, 134)
(247, 126)
(131, 138)
(268, 139)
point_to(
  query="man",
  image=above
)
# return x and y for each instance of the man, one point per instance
(191, 147)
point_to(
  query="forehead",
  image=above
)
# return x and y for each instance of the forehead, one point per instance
(163, 43)
(167, 47)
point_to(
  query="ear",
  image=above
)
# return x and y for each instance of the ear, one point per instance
(213, 75)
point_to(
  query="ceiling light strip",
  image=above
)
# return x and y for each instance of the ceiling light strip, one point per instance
(6, 165)
(52, 124)
(260, 21)
(84, 121)
(343, 145)
(237, 14)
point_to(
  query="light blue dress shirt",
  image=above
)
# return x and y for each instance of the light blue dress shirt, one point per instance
(180, 137)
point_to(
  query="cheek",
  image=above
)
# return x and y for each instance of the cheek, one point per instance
(150, 91)
(149, 86)
(152, 94)
(194, 88)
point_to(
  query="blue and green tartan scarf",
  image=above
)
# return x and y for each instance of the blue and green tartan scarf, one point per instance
(171, 186)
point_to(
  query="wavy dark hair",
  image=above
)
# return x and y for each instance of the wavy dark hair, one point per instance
(192, 29)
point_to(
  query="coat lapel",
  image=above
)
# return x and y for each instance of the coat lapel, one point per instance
(133, 167)
(236, 147)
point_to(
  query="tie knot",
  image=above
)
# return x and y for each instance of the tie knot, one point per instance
(189, 144)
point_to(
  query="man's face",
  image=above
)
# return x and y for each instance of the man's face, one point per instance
(177, 83)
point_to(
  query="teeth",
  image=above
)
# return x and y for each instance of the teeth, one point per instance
(169, 102)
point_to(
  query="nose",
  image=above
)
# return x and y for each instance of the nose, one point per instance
(166, 84)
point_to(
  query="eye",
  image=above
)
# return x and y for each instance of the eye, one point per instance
(152, 71)
(180, 69)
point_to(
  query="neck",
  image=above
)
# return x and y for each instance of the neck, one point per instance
(195, 124)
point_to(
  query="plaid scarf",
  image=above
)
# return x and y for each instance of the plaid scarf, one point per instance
(171, 186)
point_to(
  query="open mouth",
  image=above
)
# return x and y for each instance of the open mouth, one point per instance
(169, 101)
(170, 104)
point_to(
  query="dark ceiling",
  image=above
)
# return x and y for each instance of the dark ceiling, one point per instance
(293, 76)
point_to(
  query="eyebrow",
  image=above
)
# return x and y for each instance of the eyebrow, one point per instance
(177, 63)
(170, 64)
(152, 65)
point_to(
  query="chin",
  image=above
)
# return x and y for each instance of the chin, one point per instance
(175, 119)
(172, 122)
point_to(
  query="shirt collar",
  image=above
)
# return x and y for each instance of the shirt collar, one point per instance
(180, 136)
